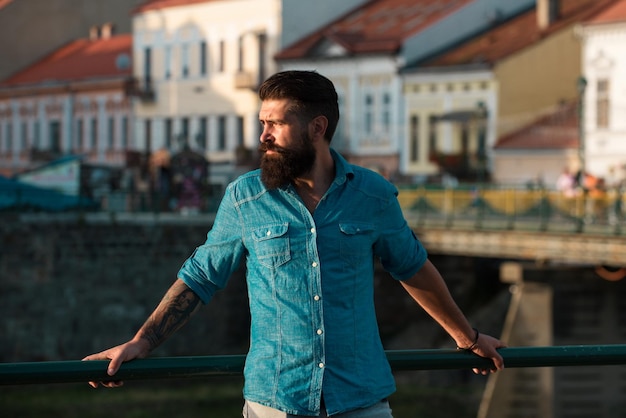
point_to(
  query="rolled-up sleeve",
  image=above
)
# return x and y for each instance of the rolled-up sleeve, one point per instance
(400, 251)
(210, 266)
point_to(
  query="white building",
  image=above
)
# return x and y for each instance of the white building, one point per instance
(364, 53)
(361, 53)
(72, 101)
(604, 69)
(198, 65)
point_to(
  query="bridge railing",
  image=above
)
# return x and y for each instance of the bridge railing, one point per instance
(181, 367)
(499, 207)
(467, 206)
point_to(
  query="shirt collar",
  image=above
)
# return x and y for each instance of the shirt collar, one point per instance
(343, 170)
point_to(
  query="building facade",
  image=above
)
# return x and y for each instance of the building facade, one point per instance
(72, 101)
(603, 148)
(197, 67)
(362, 53)
(522, 69)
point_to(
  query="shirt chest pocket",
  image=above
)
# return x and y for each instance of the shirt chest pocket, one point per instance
(271, 245)
(355, 243)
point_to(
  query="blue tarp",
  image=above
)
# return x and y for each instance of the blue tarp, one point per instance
(18, 195)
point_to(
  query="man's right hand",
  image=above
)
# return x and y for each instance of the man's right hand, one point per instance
(117, 355)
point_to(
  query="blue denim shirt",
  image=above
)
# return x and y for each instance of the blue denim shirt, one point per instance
(310, 284)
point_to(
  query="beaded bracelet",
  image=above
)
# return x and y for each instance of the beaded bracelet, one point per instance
(473, 346)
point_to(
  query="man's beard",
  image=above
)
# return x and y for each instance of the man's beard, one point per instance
(286, 164)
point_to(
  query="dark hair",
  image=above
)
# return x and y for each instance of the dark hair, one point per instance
(312, 93)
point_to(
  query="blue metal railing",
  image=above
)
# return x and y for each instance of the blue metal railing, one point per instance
(208, 366)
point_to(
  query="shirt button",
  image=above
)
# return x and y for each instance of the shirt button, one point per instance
(268, 233)
(314, 264)
(321, 365)
(312, 230)
(316, 297)
(319, 332)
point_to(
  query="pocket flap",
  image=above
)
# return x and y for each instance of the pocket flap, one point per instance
(270, 231)
(353, 228)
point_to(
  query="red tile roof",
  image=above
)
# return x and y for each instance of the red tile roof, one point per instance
(79, 60)
(162, 4)
(4, 3)
(378, 26)
(558, 130)
(613, 13)
(514, 35)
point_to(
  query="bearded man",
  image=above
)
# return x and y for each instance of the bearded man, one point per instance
(308, 225)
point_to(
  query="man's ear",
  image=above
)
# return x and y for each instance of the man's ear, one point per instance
(318, 126)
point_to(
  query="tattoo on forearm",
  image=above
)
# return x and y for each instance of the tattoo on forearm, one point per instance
(177, 309)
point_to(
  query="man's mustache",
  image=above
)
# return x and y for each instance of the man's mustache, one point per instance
(269, 146)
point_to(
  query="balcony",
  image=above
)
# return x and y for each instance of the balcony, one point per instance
(245, 80)
(143, 90)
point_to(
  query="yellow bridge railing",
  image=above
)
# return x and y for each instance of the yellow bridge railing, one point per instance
(515, 208)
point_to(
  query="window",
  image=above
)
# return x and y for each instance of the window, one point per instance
(202, 133)
(414, 138)
(240, 131)
(94, 134)
(79, 135)
(55, 136)
(124, 137)
(386, 116)
(111, 134)
(221, 133)
(203, 56)
(184, 59)
(432, 135)
(147, 66)
(168, 133)
(262, 56)
(369, 114)
(8, 143)
(24, 137)
(167, 62)
(147, 126)
(602, 103)
(36, 136)
(221, 65)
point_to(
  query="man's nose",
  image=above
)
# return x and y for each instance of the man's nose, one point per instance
(265, 136)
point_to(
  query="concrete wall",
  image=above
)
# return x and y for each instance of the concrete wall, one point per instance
(68, 289)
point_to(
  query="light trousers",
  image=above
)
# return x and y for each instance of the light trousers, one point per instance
(256, 410)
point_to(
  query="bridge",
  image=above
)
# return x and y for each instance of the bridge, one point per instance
(529, 229)
(536, 225)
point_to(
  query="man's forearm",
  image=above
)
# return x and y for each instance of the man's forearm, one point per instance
(175, 309)
(428, 288)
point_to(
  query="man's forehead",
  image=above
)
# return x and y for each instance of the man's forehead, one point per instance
(274, 108)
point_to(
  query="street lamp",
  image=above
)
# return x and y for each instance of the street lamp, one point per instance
(481, 115)
(581, 85)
